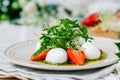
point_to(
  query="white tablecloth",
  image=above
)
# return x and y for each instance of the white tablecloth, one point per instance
(11, 34)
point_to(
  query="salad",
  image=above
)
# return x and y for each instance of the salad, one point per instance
(66, 42)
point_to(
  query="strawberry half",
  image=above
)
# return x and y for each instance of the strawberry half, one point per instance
(41, 56)
(76, 57)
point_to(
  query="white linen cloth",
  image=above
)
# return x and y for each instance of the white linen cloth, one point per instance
(11, 34)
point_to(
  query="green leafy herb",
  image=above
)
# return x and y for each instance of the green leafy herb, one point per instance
(118, 54)
(118, 45)
(65, 34)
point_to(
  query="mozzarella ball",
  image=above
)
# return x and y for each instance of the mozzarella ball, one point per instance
(56, 55)
(91, 51)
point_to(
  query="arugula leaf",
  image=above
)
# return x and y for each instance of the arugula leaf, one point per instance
(65, 35)
(118, 54)
(118, 46)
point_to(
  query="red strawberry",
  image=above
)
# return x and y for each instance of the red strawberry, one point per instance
(41, 56)
(101, 51)
(76, 57)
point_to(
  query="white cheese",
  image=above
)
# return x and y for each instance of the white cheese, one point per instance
(91, 51)
(56, 55)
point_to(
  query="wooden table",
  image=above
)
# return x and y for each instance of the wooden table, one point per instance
(103, 33)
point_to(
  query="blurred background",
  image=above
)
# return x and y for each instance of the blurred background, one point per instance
(37, 12)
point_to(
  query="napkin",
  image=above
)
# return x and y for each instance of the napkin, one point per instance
(4, 75)
(92, 74)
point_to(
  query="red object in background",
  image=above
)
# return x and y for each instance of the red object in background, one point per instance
(92, 20)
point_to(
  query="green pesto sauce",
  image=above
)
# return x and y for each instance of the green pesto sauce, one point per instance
(103, 56)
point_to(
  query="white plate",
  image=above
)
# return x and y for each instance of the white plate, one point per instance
(20, 54)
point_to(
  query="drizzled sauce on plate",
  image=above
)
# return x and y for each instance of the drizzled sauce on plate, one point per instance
(103, 56)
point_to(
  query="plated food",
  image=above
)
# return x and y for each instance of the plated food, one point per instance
(66, 43)
(64, 46)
